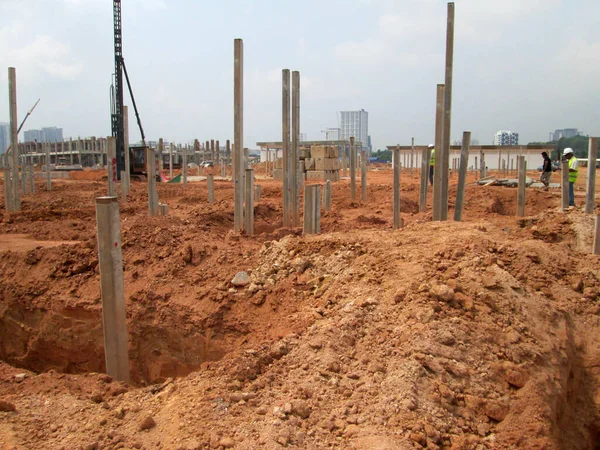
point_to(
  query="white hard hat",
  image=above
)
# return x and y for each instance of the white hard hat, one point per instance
(567, 150)
(431, 145)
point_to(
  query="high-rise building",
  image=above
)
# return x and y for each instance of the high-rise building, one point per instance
(566, 133)
(4, 136)
(355, 124)
(48, 134)
(33, 135)
(52, 134)
(505, 137)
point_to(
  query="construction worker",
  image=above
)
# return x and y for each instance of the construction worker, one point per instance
(431, 163)
(546, 171)
(573, 171)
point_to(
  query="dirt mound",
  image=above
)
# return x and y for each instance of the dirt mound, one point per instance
(88, 175)
(474, 335)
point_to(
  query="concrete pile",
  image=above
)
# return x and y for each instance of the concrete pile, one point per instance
(317, 163)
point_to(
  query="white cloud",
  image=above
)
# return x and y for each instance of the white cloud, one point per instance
(578, 59)
(412, 33)
(37, 56)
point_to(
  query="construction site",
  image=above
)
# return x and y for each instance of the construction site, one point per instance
(191, 297)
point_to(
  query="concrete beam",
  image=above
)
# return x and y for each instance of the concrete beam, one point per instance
(462, 176)
(124, 184)
(412, 155)
(439, 138)
(152, 192)
(564, 175)
(285, 136)
(249, 203)
(425, 155)
(238, 130)
(327, 196)
(396, 166)
(447, 109)
(8, 197)
(363, 175)
(352, 170)
(112, 289)
(591, 181)
(257, 192)
(126, 149)
(312, 209)
(596, 247)
(14, 139)
(48, 177)
(294, 167)
(184, 165)
(521, 186)
(210, 185)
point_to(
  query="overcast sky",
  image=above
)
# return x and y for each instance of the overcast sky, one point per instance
(529, 66)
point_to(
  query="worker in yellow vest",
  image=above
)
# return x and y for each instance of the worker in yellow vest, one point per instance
(431, 163)
(573, 171)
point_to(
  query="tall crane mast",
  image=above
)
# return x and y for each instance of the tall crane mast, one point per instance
(118, 131)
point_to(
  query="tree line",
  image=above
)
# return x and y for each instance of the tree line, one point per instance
(579, 144)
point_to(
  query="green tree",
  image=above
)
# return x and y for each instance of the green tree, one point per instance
(579, 144)
(383, 155)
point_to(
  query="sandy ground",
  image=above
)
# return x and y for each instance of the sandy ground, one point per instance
(481, 334)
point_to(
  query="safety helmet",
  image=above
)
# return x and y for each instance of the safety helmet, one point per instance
(431, 145)
(567, 151)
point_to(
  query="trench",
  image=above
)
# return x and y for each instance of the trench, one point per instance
(162, 343)
(578, 408)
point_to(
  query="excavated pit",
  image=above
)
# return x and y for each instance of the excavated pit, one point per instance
(482, 334)
(70, 340)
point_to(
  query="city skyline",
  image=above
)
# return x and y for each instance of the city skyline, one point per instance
(44, 134)
(390, 69)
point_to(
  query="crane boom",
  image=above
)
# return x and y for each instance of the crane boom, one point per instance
(118, 131)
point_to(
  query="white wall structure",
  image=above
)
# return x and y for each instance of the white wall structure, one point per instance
(532, 153)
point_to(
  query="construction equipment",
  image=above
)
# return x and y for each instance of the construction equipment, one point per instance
(137, 155)
(9, 148)
(137, 163)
